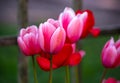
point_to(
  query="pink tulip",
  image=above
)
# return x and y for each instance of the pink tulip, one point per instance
(73, 24)
(51, 36)
(111, 80)
(28, 40)
(111, 54)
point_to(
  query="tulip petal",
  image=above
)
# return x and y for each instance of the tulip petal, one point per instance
(22, 32)
(57, 40)
(75, 59)
(70, 11)
(33, 39)
(29, 40)
(54, 22)
(22, 46)
(41, 37)
(95, 32)
(117, 61)
(60, 58)
(46, 30)
(32, 29)
(37, 48)
(110, 42)
(44, 63)
(74, 30)
(88, 19)
(65, 17)
(83, 16)
(117, 44)
(118, 51)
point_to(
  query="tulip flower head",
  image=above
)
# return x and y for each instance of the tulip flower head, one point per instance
(51, 36)
(73, 24)
(111, 54)
(28, 40)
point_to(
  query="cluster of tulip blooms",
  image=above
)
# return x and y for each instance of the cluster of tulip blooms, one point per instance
(54, 41)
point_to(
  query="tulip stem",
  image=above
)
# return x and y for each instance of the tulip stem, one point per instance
(50, 74)
(67, 74)
(77, 74)
(103, 75)
(34, 70)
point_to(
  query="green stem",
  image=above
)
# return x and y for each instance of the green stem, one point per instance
(103, 75)
(67, 74)
(50, 75)
(34, 70)
(76, 73)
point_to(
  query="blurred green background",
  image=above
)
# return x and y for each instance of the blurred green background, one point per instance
(91, 67)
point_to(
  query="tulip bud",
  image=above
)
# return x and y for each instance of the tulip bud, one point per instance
(111, 54)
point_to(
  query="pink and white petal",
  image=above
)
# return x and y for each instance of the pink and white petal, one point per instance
(37, 46)
(64, 20)
(65, 17)
(108, 43)
(32, 43)
(22, 32)
(32, 29)
(74, 30)
(54, 22)
(23, 47)
(29, 42)
(57, 40)
(83, 16)
(70, 11)
(48, 30)
(51, 21)
(117, 44)
(41, 37)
